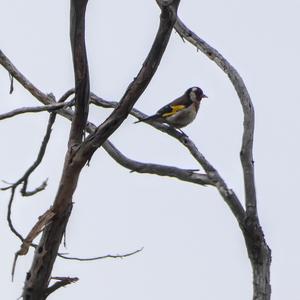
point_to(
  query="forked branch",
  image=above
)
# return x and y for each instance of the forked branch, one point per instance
(139, 84)
(258, 250)
(245, 100)
(79, 152)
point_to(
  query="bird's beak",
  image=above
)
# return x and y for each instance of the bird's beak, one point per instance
(204, 96)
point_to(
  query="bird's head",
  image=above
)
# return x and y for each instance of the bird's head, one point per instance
(195, 94)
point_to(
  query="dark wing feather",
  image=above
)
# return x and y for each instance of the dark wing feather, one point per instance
(153, 117)
(174, 107)
(169, 109)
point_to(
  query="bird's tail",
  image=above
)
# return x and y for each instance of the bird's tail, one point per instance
(150, 118)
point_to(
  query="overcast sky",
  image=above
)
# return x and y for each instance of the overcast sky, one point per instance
(193, 248)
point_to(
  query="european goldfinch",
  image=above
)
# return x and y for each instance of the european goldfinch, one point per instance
(180, 112)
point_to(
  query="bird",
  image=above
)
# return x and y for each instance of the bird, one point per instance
(181, 111)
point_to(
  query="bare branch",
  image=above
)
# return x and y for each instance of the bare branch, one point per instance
(81, 71)
(24, 179)
(8, 216)
(42, 150)
(196, 178)
(46, 99)
(38, 189)
(170, 131)
(212, 177)
(258, 250)
(228, 194)
(40, 156)
(138, 85)
(66, 95)
(23, 110)
(161, 170)
(102, 257)
(240, 87)
(37, 283)
(62, 281)
(12, 70)
(98, 101)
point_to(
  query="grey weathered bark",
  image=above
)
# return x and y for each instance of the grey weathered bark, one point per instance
(37, 279)
(79, 152)
(258, 251)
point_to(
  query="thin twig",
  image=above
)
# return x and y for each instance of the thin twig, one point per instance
(66, 95)
(24, 180)
(38, 189)
(13, 71)
(8, 216)
(39, 158)
(101, 257)
(36, 109)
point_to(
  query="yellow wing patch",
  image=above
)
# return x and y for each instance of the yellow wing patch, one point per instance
(175, 109)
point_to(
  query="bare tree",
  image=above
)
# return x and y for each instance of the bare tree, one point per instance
(53, 222)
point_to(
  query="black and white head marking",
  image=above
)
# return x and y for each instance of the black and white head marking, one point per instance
(194, 93)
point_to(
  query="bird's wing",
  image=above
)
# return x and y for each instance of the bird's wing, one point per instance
(175, 106)
(170, 110)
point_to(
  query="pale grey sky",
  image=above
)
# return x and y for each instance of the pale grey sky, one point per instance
(193, 248)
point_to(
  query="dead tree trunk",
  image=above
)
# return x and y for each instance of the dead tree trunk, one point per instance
(80, 152)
